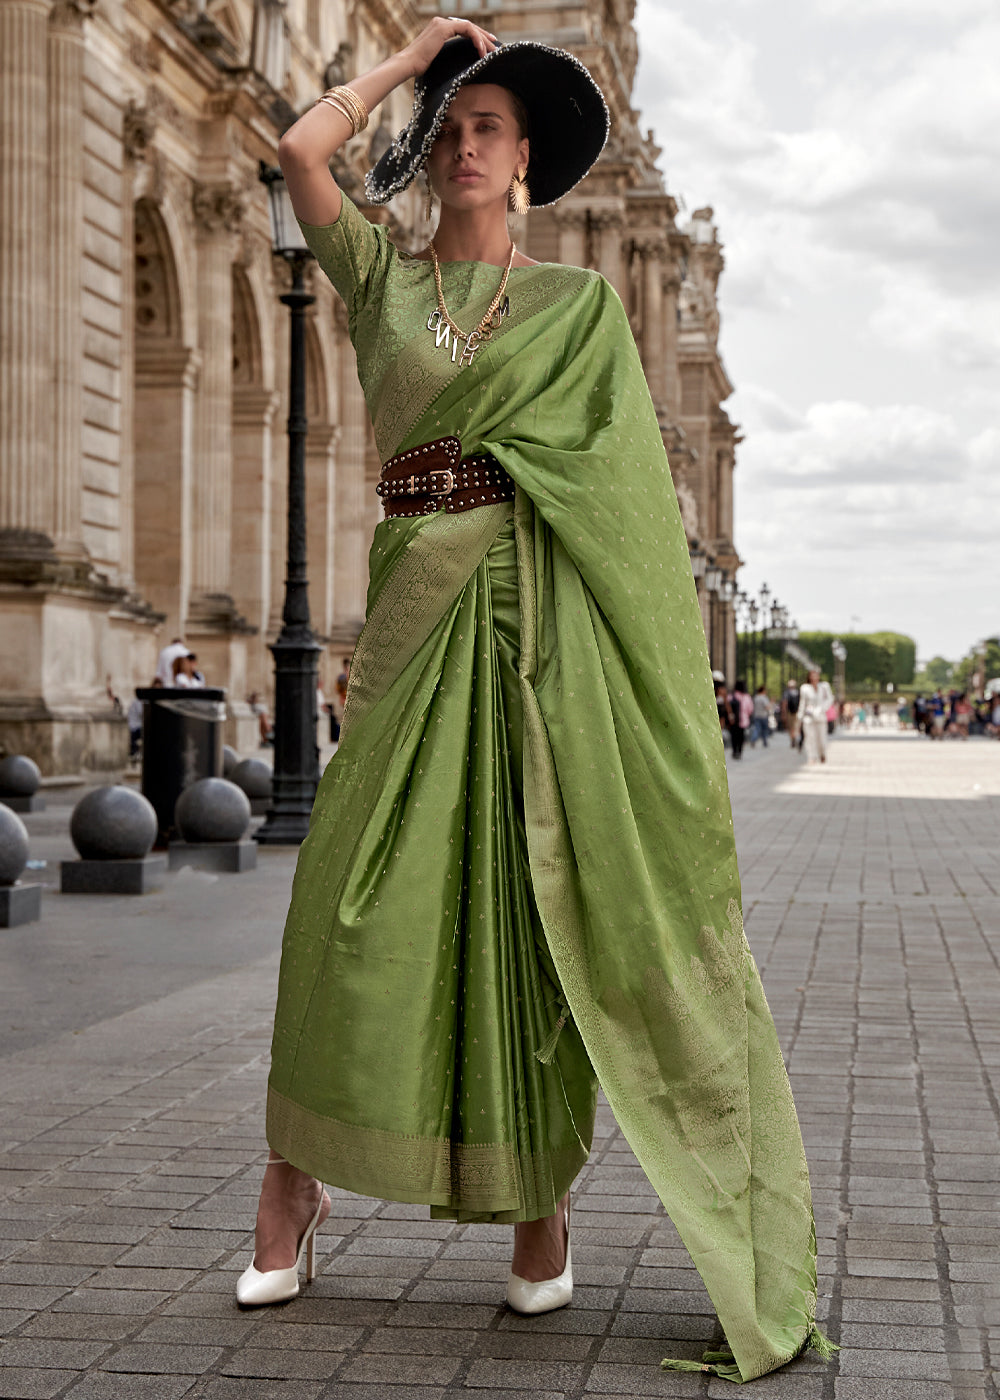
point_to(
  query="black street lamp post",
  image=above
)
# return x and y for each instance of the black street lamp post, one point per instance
(739, 613)
(764, 606)
(752, 667)
(295, 651)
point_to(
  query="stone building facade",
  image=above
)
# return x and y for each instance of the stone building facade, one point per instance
(144, 348)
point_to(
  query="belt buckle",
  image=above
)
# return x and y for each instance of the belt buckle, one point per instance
(445, 491)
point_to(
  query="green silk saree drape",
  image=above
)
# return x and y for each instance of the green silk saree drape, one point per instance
(529, 813)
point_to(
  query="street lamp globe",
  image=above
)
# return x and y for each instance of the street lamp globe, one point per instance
(286, 235)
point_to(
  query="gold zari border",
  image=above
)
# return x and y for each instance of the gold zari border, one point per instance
(470, 1180)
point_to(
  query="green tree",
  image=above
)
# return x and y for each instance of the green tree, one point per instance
(963, 673)
(935, 675)
(873, 658)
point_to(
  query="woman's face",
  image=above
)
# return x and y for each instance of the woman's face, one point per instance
(477, 149)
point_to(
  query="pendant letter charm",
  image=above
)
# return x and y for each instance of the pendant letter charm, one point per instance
(471, 346)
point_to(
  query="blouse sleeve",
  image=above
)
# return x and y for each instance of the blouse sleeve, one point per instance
(353, 253)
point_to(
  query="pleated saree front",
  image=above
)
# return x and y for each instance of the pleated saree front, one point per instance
(521, 872)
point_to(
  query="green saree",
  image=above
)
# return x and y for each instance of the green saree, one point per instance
(520, 872)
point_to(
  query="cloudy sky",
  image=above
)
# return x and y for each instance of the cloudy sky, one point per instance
(851, 151)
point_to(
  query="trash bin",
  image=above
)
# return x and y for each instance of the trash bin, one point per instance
(181, 742)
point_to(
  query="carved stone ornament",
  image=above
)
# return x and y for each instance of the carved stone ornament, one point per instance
(165, 109)
(218, 208)
(608, 219)
(339, 70)
(145, 54)
(688, 504)
(70, 14)
(138, 128)
(570, 218)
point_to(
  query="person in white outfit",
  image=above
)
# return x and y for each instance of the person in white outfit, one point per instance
(815, 698)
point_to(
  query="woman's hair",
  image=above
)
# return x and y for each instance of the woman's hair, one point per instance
(520, 113)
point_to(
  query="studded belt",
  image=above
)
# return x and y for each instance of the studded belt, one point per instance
(421, 481)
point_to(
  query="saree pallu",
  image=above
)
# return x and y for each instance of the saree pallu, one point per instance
(523, 850)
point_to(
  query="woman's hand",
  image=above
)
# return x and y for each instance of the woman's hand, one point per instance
(430, 41)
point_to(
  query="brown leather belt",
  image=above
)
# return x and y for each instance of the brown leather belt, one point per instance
(421, 481)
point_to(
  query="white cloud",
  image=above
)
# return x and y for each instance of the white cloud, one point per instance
(910, 10)
(885, 512)
(851, 150)
(916, 315)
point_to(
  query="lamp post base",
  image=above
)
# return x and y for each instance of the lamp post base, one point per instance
(296, 755)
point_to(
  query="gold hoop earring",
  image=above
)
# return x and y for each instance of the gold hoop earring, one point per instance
(429, 206)
(520, 196)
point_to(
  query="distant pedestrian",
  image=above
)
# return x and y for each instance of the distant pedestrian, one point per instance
(722, 705)
(165, 660)
(338, 704)
(815, 699)
(790, 711)
(133, 717)
(741, 704)
(762, 708)
(939, 715)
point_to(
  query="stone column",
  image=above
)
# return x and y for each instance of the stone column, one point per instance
(610, 225)
(65, 225)
(218, 211)
(26, 495)
(572, 225)
(166, 379)
(654, 356)
(671, 374)
(253, 464)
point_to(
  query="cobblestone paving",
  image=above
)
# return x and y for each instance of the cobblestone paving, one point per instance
(132, 1148)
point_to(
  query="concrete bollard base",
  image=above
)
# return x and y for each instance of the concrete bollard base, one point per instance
(20, 904)
(232, 857)
(34, 803)
(137, 875)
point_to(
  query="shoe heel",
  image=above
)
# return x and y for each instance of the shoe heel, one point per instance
(311, 1256)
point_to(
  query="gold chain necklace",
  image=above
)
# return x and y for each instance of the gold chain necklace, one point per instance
(448, 333)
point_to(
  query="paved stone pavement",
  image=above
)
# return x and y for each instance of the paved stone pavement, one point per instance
(132, 1067)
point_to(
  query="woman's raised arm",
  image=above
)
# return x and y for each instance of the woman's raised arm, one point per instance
(305, 150)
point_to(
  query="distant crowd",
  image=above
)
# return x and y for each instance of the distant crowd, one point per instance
(807, 714)
(955, 715)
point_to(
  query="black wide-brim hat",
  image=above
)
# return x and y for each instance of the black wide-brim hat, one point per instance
(568, 119)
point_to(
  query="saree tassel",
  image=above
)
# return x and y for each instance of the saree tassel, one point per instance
(821, 1345)
(715, 1358)
(546, 1052)
(730, 1372)
(722, 1363)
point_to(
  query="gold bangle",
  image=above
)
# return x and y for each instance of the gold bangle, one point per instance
(342, 110)
(347, 101)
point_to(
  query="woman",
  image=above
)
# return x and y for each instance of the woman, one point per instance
(761, 716)
(741, 713)
(816, 698)
(486, 915)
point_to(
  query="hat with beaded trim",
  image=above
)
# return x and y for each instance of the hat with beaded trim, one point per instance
(568, 120)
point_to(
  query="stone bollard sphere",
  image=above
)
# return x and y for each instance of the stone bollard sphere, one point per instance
(230, 758)
(113, 823)
(212, 809)
(254, 776)
(19, 776)
(13, 845)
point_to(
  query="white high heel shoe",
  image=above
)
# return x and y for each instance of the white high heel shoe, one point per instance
(551, 1293)
(255, 1289)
